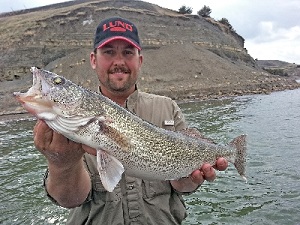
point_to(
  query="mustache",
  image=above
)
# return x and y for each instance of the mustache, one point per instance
(119, 70)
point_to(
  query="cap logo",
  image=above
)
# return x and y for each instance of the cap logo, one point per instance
(117, 26)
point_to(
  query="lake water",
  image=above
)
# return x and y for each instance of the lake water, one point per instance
(271, 196)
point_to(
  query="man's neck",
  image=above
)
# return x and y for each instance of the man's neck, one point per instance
(118, 97)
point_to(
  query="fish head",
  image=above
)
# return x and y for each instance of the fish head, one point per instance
(50, 96)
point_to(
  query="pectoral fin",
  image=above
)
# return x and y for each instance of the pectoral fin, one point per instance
(110, 170)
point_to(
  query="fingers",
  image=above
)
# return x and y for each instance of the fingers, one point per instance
(221, 164)
(42, 135)
(45, 137)
(197, 177)
(208, 172)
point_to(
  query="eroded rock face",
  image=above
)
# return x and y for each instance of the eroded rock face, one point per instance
(42, 35)
(186, 56)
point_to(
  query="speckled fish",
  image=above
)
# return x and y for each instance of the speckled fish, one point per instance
(124, 142)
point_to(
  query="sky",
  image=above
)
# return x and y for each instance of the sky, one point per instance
(271, 28)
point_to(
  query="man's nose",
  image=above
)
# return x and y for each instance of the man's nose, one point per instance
(119, 59)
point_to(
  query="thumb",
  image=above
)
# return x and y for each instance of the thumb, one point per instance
(89, 150)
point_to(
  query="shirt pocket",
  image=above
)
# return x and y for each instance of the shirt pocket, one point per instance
(100, 194)
(155, 188)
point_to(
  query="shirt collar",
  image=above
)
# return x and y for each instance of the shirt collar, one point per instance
(131, 101)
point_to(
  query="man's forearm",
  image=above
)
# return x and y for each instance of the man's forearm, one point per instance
(68, 186)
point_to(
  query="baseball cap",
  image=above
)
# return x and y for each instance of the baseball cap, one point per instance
(116, 28)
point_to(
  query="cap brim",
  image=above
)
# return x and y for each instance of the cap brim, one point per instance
(106, 41)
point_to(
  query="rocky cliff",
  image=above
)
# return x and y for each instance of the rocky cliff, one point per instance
(186, 56)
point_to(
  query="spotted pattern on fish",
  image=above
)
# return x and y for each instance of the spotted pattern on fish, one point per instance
(144, 150)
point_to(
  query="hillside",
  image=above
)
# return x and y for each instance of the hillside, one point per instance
(186, 56)
(276, 67)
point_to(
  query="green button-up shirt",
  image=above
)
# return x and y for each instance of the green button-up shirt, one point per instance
(135, 201)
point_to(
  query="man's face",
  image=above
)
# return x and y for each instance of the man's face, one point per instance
(117, 65)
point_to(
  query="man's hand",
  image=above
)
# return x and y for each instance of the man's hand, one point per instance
(58, 150)
(196, 178)
(68, 181)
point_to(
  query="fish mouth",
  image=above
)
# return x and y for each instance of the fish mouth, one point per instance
(34, 100)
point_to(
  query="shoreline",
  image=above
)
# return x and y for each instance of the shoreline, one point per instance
(22, 114)
(16, 116)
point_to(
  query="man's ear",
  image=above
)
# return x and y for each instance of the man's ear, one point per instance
(141, 58)
(93, 57)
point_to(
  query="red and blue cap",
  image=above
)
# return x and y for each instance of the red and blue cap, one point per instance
(116, 28)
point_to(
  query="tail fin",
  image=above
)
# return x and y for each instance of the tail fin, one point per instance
(239, 143)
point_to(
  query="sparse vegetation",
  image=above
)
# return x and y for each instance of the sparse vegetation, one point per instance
(276, 71)
(226, 22)
(185, 10)
(205, 11)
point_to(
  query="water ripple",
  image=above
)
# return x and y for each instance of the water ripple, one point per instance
(271, 196)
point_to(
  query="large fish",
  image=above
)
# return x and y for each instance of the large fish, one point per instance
(124, 142)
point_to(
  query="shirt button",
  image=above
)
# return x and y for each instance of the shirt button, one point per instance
(130, 187)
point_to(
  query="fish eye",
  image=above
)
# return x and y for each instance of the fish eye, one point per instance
(58, 80)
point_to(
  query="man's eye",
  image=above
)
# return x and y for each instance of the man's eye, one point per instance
(128, 52)
(109, 52)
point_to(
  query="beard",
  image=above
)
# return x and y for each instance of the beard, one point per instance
(120, 83)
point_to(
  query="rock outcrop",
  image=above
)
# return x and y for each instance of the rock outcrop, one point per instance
(186, 56)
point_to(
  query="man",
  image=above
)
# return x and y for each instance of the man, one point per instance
(72, 179)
